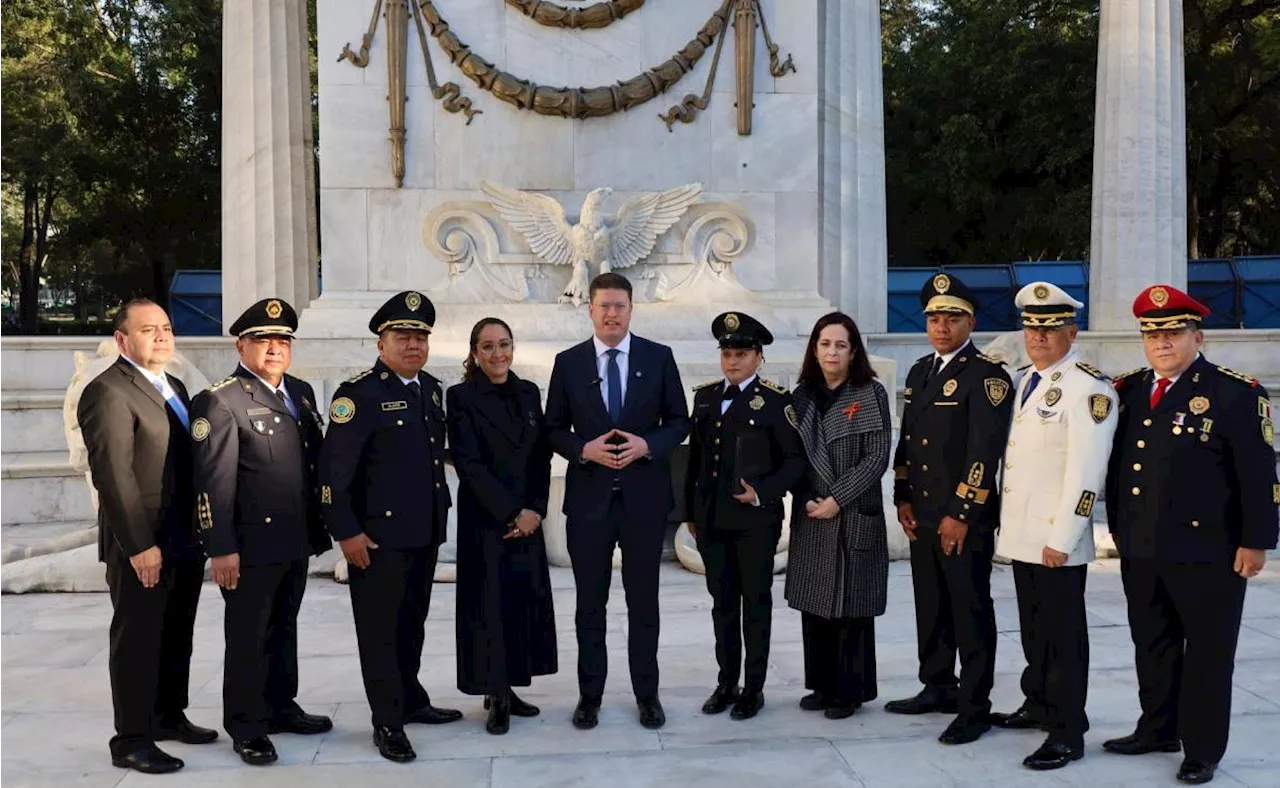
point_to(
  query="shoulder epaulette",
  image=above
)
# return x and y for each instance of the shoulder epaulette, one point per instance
(359, 376)
(989, 359)
(769, 384)
(1024, 368)
(925, 357)
(706, 385)
(222, 383)
(1231, 373)
(1119, 381)
(1093, 372)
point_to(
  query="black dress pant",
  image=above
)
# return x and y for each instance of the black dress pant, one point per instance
(591, 551)
(840, 658)
(1185, 622)
(260, 677)
(954, 612)
(739, 574)
(150, 658)
(1055, 641)
(389, 601)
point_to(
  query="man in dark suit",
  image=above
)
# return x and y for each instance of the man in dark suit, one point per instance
(744, 455)
(954, 428)
(134, 419)
(256, 437)
(1191, 502)
(387, 504)
(615, 410)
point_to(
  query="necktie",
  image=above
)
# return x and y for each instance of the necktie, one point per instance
(613, 379)
(1035, 381)
(175, 404)
(933, 372)
(287, 404)
(1162, 385)
(731, 392)
(415, 388)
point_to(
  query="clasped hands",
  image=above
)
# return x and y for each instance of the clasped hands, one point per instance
(524, 524)
(615, 455)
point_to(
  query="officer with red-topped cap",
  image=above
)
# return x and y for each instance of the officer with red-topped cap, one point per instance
(1191, 501)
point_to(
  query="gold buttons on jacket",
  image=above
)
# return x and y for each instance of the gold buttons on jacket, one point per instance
(924, 468)
(1008, 490)
(1195, 523)
(925, 493)
(1136, 491)
(1010, 443)
(1008, 466)
(267, 521)
(388, 513)
(924, 441)
(437, 485)
(1137, 466)
(1146, 422)
(399, 422)
(437, 462)
(1142, 444)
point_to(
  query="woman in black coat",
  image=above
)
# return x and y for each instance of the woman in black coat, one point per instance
(505, 621)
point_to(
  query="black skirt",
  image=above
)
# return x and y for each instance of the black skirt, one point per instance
(840, 658)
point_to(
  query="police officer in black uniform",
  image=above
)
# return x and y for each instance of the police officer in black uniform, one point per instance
(954, 428)
(256, 439)
(1191, 501)
(743, 457)
(386, 502)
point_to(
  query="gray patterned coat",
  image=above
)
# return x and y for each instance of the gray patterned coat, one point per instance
(839, 568)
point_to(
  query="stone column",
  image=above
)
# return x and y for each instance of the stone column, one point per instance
(268, 168)
(1139, 227)
(854, 244)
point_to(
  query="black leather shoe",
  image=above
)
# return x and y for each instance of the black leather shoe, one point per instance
(926, 701)
(587, 713)
(1196, 772)
(1052, 755)
(148, 760)
(258, 751)
(651, 714)
(393, 745)
(302, 723)
(963, 730)
(499, 715)
(430, 715)
(521, 709)
(183, 730)
(1139, 744)
(1020, 720)
(839, 710)
(720, 699)
(813, 702)
(749, 705)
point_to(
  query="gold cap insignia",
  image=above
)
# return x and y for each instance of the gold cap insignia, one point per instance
(731, 322)
(942, 283)
(1159, 296)
(950, 387)
(200, 428)
(1040, 292)
(413, 301)
(342, 410)
(274, 310)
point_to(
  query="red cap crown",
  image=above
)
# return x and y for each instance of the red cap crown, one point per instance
(1163, 307)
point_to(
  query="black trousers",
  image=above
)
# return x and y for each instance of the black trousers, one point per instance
(260, 674)
(591, 551)
(954, 613)
(840, 658)
(150, 658)
(389, 601)
(1055, 641)
(739, 574)
(1185, 622)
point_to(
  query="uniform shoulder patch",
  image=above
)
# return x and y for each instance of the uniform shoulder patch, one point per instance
(790, 412)
(706, 385)
(342, 410)
(1084, 507)
(1093, 372)
(359, 376)
(997, 389)
(222, 383)
(1099, 407)
(1120, 381)
(774, 387)
(1240, 376)
(200, 429)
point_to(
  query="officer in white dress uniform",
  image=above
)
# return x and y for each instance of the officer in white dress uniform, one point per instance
(1064, 419)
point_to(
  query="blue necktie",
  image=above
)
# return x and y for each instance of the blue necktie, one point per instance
(613, 379)
(288, 403)
(1026, 395)
(175, 404)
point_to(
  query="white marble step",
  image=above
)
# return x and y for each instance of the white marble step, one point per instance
(32, 421)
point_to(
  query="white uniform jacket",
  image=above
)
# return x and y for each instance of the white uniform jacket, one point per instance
(1056, 462)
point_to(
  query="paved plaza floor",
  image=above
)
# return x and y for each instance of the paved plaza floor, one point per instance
(56, 705)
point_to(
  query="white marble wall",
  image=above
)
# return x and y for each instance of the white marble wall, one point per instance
(372, 232)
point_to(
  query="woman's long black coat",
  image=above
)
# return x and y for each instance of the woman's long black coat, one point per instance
(505, 620)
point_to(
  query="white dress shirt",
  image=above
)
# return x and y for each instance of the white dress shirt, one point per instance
(602, 366)
(1172, 379)
(947, 358)
(725, 403)
(288, 400)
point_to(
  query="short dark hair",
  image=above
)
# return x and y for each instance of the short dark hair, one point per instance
(469, 363)
(609, 281)
(860, 370)
(122, 316)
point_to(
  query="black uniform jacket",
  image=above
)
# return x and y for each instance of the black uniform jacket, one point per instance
(953, 436)
(255, 470)
(756, 431)
(1194, 479)
(382, 468)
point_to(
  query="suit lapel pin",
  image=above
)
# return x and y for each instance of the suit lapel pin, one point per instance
(1054, 377)
(950, 387)
(1198, 405)
(260, 425)
(851, 411)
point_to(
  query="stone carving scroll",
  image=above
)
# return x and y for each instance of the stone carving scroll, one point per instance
(589, 17)
(462, 238)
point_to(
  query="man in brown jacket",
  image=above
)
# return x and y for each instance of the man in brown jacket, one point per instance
(135, 422)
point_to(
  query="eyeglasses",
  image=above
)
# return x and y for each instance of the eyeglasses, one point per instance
(489, 348)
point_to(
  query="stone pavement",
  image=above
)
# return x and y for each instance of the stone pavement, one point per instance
(56, 705)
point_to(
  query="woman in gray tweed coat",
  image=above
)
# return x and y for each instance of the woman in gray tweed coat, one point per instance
(838, 567)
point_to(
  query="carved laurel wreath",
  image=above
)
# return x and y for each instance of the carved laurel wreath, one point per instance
(589, 17)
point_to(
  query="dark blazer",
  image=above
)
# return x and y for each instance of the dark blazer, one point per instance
(1194, 479)
(256, 489)
(382, 467)
(140, 457)
(654, 409)
(953, 436)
